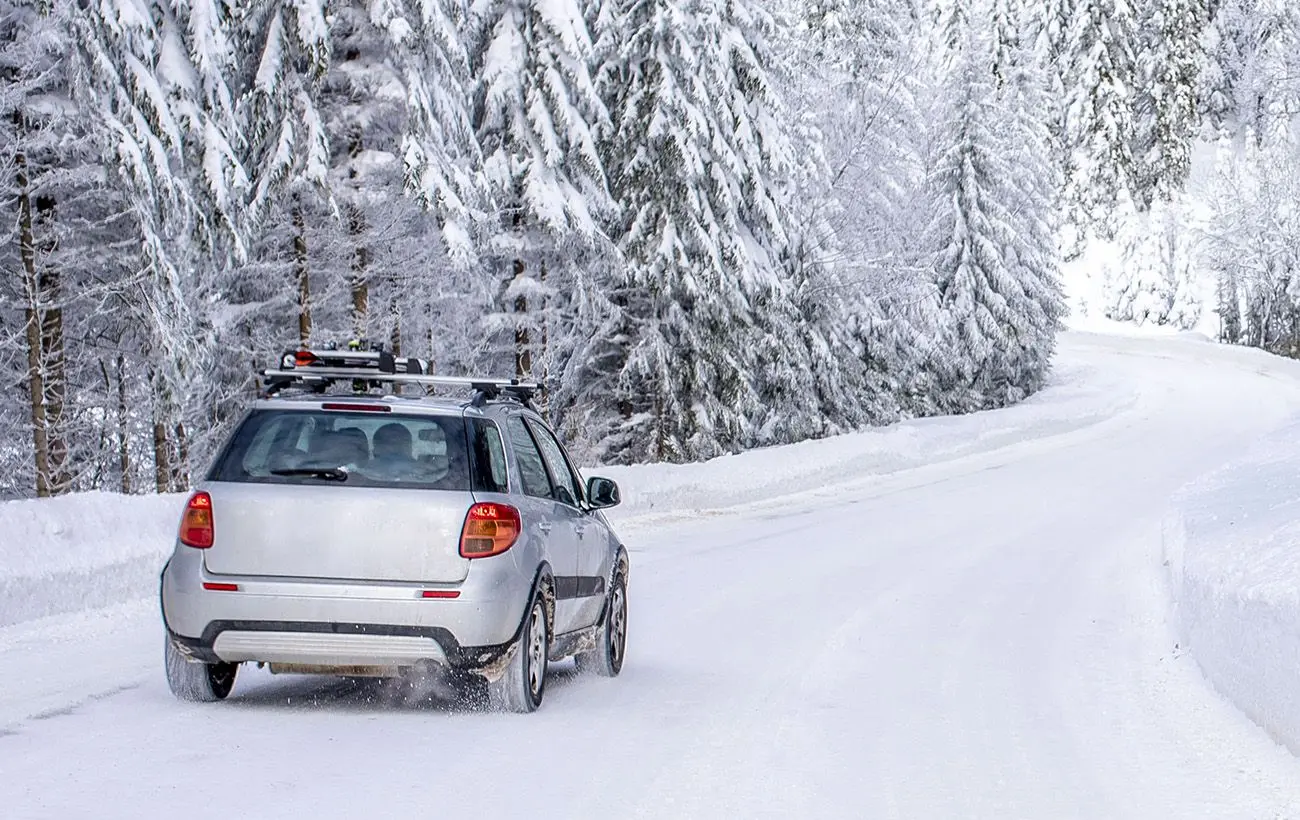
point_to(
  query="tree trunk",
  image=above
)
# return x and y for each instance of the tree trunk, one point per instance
(43, 319)
(546, 329)
(523, 355)
(395, 337)
(181, 469)
(358, 282)
(123, 423)
(35, 378)
(1229, 309)
(162, 462)
(52, 353)
(303, 274)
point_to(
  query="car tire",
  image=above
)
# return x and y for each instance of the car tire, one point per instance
(606, 659)
(196, 681)
(523, 685)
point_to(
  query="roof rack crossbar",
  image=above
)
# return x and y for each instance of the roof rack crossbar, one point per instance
(323, 376)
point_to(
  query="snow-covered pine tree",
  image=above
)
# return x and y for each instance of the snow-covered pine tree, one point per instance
(1252, 242)
(1033, 259)
(1251, 83)
(42, 143)
(1009, 27)
(1047, 34)
(995, 266)
(535, 115)
(1167, 117)
(1157, 283)
(697, 157)
(1100, 131)
(855, 70)
(285, 52)
(159, 78)
(363, 104)
(360, 127)
(439, 149)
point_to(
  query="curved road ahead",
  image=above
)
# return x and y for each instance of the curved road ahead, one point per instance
(985, 637)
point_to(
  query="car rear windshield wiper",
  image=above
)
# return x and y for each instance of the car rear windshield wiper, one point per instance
(327, 473)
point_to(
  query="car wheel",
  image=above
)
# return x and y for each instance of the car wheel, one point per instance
(606, 659)
(196, 681)
(522, 686)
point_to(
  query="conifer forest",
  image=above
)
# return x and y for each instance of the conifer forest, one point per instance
(702, 226)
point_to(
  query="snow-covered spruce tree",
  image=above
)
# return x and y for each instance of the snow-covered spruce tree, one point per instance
(697, 157)
(1252, 243)
(1009, 28)
(1036, 185)
(535, 113)
(66, 239)
(1168, 65)
(285, 55)
(363, 104)
(34, 99)
(159, 78)
(440, 154)
(1047, 33)
(1100, 131)
(1250, 86)
(1156, 280)
(282, 55)
(367, 156)
(856, 72)
(995, 267)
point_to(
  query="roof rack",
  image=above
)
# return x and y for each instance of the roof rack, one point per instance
(318, 370)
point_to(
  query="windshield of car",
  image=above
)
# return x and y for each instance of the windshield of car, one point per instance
(363, 448)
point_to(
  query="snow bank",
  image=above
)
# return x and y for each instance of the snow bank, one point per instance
(1079, 396)
(82, 552)
(1232, 543)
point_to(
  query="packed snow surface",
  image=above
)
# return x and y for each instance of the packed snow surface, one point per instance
(949, 618)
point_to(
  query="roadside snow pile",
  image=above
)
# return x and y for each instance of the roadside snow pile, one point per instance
(1233, 548)
(81, 552)
(1079, 396)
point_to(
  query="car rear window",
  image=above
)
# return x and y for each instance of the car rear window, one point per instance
(347, 448)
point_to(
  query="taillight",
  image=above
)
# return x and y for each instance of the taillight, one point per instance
(490, 529)
(196, 524)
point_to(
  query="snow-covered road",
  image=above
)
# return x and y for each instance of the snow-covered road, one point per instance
(986, 635)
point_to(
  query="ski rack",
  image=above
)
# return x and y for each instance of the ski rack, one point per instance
(318, 370)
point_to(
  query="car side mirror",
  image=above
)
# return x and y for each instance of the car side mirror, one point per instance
(602, 493)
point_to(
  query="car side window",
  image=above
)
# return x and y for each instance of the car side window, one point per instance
(489, 457)
(532, 470)
(566, 482)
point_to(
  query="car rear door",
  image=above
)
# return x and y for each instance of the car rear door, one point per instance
(587, 587)
(545, 518)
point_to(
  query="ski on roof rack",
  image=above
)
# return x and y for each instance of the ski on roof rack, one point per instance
(359, 354)
(319, 369)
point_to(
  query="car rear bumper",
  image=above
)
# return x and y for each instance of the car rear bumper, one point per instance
(335, 645)
(340, 623)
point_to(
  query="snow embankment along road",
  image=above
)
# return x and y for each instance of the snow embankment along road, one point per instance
(82, 552)
(949, 618)
(1232, 542)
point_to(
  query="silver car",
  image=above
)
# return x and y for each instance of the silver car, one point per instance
(371, 534)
